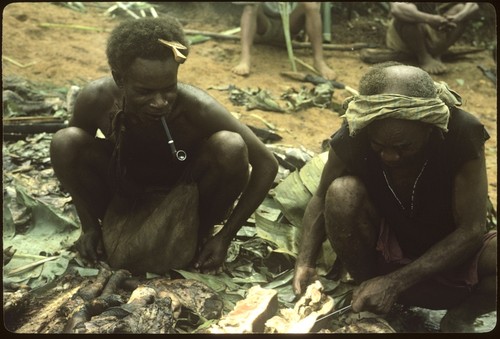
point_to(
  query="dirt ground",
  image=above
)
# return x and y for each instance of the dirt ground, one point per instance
(65, 56)
(74, 54)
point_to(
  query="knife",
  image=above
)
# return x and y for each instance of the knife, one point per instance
(337, 312)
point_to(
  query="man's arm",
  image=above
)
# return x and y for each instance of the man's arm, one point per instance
(469, 209)
(212, 117)
(469, 204)
(313, 225)
(264, 169)
(468, 9)
(408, 12)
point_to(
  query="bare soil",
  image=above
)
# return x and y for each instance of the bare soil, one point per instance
(65, 56)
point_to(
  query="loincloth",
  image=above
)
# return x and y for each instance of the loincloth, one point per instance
(274, 33)
(154, 231)
(391, 257)
(393, 41)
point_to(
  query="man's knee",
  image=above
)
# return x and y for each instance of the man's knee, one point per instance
(251, 10)
(347, 198)
(346, 190)
(310, 7)
(455, 9)
(228, 151)
(65, 144)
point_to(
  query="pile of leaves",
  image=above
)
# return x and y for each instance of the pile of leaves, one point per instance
(292, 100)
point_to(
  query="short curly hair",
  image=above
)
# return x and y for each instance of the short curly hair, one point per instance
(138, 38)
(376, 79)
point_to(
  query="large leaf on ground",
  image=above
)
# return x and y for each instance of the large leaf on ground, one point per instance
(49, 235)
(269, 227)
(292, 196)
(311, 172)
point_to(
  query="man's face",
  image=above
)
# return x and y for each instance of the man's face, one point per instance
(150, 89)
(399, 143)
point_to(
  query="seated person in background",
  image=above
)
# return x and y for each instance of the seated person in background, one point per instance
(428, 29)
(402, 199)
(145, 203)
(259, 21)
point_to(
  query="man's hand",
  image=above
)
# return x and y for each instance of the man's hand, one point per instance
(90, 245)
(212, 255)
(304, 275)
(442, 23)
(376, 295)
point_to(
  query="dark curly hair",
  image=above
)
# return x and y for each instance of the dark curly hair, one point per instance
(138, 38)
(376, 79)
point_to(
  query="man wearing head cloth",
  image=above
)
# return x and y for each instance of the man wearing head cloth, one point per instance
(171, 164)
(402, 199)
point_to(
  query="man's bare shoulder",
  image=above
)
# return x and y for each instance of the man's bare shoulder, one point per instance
(194, 99)
(194, 95)
(99, 92)
(94, 103)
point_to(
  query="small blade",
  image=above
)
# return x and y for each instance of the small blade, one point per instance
(337, 312)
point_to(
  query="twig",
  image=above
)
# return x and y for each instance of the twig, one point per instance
(153, 12)
(111, 9)
(303, 63)
(337, 47)
(295, 44)
(125, 8)
(268, 124)
(86, 28)
(31, 119)
(33, 264)
(18, 64)
(29, 256)
(224, 35)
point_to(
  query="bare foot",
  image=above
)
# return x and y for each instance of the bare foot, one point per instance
(242, 69)
(325, 71)
(433, 66)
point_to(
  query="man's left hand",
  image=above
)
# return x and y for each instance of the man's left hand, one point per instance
(376, 295)
(212, 255)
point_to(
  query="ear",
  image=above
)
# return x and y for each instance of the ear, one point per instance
(118, 78)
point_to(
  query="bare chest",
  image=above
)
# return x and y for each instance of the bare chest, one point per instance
(403, 184)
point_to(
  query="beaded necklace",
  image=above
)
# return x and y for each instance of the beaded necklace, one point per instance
(412, 192)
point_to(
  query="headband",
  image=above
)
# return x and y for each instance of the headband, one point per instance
(361, 110)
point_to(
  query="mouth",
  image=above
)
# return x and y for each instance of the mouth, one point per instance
(156, 115)
(390, 164)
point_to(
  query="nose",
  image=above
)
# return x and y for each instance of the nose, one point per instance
(158, 101)
(389, 155)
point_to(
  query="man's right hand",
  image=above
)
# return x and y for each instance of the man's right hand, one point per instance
(303, 277)
(90, 245)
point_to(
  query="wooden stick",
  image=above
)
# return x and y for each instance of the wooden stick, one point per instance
(32, 119)
(335, 47)
(126, 9)
(18, 64)
(295, 44)
(29, 256)
(86, 28)
(33, 264)
(224, 35)
(303, 63)
(265, 122)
